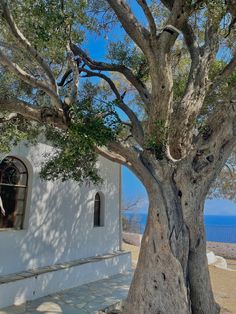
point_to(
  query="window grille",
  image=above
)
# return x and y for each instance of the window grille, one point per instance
(13, 193)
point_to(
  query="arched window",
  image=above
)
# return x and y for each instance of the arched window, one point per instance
(97, 210)
(13, 192)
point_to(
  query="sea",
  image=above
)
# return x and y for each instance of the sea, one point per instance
(218, 228)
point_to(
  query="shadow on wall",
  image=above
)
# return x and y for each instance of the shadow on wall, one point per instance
(60, 219)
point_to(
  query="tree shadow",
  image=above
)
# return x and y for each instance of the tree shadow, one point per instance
(59, 221)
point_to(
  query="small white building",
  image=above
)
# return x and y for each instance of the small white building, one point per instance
(55, 235)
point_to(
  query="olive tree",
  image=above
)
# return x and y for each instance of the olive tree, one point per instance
(180, 127)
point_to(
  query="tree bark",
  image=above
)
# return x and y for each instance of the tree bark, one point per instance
(201, 294)
(172, 271)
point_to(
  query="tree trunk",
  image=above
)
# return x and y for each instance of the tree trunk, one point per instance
(172, 273)
(201, 294)
(202, 299)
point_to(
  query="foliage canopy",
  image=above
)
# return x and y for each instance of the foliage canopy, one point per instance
(49, 26)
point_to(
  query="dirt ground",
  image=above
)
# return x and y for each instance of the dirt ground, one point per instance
(223, 282)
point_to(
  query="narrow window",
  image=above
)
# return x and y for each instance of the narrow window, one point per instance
(13, 193)
(97, 210)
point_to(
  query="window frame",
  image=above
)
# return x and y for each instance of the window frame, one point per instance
(18, 186)
(101, 217)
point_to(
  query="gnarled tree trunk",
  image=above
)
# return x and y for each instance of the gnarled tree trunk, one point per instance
(172, 272)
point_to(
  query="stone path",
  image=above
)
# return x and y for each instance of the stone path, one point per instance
(85, 299)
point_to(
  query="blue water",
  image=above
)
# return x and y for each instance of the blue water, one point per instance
(218, 228)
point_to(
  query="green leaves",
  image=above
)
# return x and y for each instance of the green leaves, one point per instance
(74, 156)
(223, 91)
(49, 24)
(156, 143)
(15, 131)
(124, 52)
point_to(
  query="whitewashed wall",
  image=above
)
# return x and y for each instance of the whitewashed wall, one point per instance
(59, 218)
(18, 292)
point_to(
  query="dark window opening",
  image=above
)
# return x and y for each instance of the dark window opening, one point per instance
(97, 210)
(13, 193)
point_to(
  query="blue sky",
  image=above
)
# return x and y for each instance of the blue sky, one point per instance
(220, 207)
(131, 186)
(132, 189)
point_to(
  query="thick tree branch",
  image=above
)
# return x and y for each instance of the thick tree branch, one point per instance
(168, 4)
(137, 129)
(149, 16)
(29, 79)
(134, 161)
(8, 46)
(134, 29)
(38, 114)
(187, 110)
(104, 152)
(64, 78)
(21, 107)
(191, 41)
(112, 85)
(160, 65)
(215, 144)
(21, 38)
(179, 12)
(211, 34)
(103, 66)
(217, 138)
(73, 68)
(9, 117)
(128, 156)
(224, 115)
(33, 113)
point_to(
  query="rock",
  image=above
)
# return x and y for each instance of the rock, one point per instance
(221, 262)
(211, 258)
(132, 238)
(217, 261)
